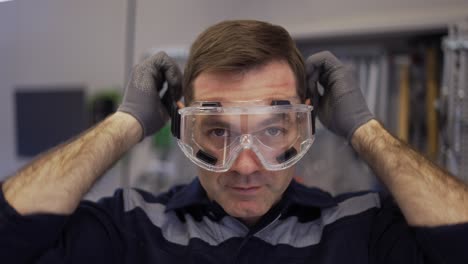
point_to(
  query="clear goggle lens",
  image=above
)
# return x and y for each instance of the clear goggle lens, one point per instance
(213, 136)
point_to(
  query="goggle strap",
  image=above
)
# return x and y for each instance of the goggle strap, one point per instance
(169, 103)
(211, 104)
(312, 117)
(287, 155)
(175, 121)
(280, 102)
(202, 155)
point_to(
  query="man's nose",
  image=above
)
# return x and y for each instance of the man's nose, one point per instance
(246, 163)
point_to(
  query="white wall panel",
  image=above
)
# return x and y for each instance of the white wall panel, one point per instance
(8, 30)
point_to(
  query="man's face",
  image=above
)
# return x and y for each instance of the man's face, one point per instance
(247, 190)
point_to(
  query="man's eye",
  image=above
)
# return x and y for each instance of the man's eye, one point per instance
(219, 132)
(274, 131)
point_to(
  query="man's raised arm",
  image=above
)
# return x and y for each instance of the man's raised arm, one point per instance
(426, 194)
(57, 180)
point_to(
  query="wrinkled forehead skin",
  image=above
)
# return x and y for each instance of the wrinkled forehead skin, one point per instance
(271, 81)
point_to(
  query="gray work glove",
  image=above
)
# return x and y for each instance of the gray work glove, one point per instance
(342, 107)
(141, 98)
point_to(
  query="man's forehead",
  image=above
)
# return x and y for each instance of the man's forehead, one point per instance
(272, 81)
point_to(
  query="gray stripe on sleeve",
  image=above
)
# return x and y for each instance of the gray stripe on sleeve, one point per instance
(179, 232)
(291, 232)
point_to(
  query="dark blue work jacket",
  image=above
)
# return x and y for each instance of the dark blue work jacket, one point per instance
(183, 226)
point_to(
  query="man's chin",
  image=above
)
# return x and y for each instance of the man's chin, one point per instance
(247, 213)
(249, 221)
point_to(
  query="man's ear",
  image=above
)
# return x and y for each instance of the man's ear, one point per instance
(308, 102)
(180, 105)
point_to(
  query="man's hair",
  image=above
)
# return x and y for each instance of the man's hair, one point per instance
(242, 45)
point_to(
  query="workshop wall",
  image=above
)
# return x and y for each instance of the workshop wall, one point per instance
(332, 17)
(303, 18)
(8, 31)
(161, 24)
(65, 42)
(54, 43)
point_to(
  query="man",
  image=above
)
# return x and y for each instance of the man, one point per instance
(245, 121)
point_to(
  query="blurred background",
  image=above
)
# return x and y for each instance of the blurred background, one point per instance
(63, 66)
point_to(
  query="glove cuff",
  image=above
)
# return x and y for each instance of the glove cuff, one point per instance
(363, 119)
(124, 109)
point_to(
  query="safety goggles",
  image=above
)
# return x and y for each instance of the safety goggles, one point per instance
(213, 134)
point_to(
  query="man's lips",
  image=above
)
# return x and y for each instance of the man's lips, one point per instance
(245, 189)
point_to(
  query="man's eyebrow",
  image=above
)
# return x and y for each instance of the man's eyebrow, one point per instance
(214, 122)
(219, 122)
(275, 118)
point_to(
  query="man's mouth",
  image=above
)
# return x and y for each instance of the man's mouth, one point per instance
(245, 190)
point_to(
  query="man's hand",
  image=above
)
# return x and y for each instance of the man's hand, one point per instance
(141, 99)
(341, 108)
